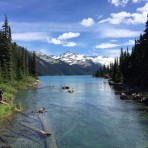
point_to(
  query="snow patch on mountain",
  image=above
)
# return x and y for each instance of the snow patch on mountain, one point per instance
(80, 59)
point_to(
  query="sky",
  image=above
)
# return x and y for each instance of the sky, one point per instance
(90, 27)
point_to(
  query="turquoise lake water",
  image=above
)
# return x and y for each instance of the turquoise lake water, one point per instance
(91, 117)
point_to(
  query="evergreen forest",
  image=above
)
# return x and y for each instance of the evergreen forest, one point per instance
(130, 68)
(16, 63)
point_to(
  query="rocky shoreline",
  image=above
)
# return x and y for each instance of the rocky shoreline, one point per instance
(127, 93)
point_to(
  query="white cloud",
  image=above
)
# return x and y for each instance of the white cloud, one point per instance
(107, 45)
(30, 36)
(118, 2)
(70, 44)
(138, 1)
(68, 35)
(116, 18)
(116, 33)
(62, 39)
(123, 2)
(139, 17)
(54, 41)
(135, 1)
(87, 22)
(144, 8)
(130, 42)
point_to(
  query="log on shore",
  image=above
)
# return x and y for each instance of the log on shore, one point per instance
(4, 102)
(114, 84)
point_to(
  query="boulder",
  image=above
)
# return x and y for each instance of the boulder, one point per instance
(65, 87)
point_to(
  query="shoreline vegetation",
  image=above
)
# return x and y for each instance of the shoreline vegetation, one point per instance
(17, 70)
(129, 72)
(10, 90)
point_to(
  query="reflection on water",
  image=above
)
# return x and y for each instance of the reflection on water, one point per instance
(91, 117)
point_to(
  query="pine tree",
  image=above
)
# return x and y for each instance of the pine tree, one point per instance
(7, 51)
(14, 60)
(144, 62)
(34, 69)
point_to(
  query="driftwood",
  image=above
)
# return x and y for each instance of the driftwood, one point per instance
(36, 130)
(4, 102)
(17, 110)
(46, 125)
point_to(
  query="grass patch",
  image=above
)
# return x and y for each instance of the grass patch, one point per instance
(9, 91)
(6, 110)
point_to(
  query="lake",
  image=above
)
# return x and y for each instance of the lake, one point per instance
(91, 117)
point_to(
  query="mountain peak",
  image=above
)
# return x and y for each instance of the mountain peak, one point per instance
(79, 59)
(67, 54)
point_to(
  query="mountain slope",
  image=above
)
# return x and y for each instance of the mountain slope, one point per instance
(67, 64)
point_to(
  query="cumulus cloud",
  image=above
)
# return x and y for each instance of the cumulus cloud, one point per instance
(62, 39)
(144, 8)
(54, 41)
(30, 36)
(123, 3)
(116, 18)
(139, 17)
(87, 22)
(107, 45)
(68, 35)
(118, 2)
(119, 33)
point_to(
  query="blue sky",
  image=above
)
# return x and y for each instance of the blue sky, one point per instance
(91, 27)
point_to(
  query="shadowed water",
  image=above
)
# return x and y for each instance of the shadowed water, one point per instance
(91, 117)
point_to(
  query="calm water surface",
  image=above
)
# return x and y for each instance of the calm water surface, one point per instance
(91, 117)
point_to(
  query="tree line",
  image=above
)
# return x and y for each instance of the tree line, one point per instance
(130, 68)
(16, 62)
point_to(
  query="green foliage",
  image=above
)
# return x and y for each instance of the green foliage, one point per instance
(131, 68)
(6, 110)
(15, 69)
(102, 72)
(16, 62)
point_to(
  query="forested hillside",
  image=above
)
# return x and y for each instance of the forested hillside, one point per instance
(130, 68)
(15, 62)
(17, 69)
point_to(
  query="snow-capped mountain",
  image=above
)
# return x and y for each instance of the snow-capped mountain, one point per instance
(70, 63)
(72, 58)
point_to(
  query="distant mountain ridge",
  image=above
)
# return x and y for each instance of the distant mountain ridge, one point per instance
(70, 63)
(73, 58)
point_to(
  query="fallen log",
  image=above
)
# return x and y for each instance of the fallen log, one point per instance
(4, 102)
(36, 130)
(46, 125)
(17, 110)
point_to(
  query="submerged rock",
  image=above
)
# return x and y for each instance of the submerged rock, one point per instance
(124, 96)
(42, 110)
(65, 87)
(71, 91)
